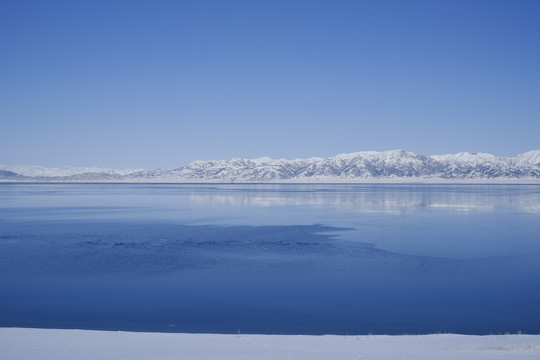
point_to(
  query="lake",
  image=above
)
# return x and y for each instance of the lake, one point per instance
(271, 259)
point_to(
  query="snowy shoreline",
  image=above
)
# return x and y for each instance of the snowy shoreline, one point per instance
(303, 181)
(30, 344)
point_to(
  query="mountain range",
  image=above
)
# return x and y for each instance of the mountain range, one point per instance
(367, 166)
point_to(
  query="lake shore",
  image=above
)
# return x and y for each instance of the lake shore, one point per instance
(30, 344)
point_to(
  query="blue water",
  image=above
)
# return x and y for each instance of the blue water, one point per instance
(286, 259)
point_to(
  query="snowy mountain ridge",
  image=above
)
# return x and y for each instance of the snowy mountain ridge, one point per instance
(63, 171)
(367, 166)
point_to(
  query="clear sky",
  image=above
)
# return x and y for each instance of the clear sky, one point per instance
(160, 83)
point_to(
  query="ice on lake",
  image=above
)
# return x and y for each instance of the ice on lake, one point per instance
(309, 259)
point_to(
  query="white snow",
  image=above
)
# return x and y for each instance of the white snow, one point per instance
(530, 157)
(63, 171)
(34, 344)
(469, 158)
(361, 167)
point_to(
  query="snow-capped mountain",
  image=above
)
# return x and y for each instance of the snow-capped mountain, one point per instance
(40, 171)
(368, 166)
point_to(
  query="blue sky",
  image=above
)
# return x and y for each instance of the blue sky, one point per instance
(160, 83)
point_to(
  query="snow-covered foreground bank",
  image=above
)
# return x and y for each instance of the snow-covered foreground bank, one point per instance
(22, 344)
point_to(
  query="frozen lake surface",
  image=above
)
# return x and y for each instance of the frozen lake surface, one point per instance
(271, 259)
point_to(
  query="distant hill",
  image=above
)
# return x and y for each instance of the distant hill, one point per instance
(368, 166)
